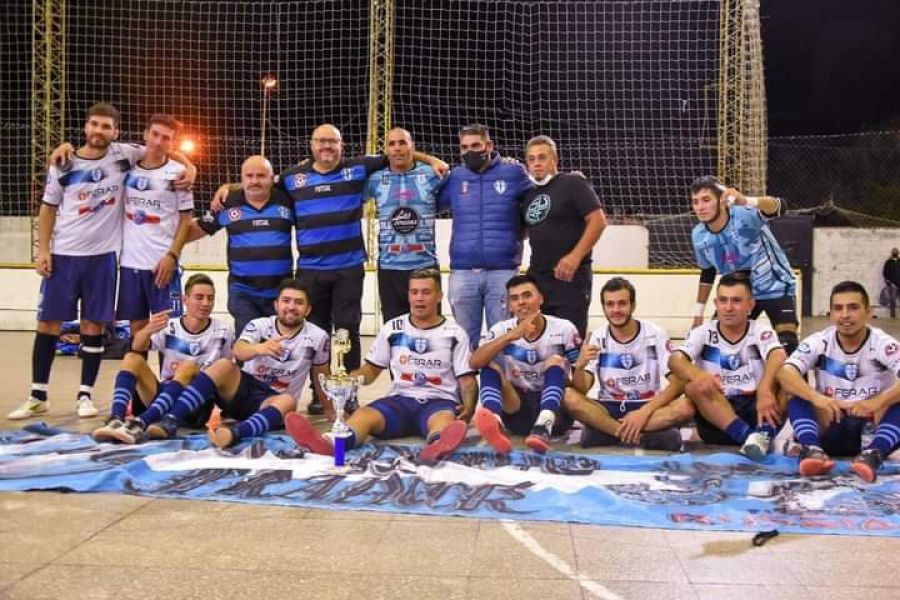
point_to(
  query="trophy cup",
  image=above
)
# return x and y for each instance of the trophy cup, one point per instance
(340, 388)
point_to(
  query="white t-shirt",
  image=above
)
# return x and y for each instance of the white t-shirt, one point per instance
(629, 371)
(205, 347)
(523, 361)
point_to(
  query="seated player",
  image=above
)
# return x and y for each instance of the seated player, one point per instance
(428, 356)
(524, 365)
(625, 365)
(729, 367)
(856, 368)
(186, 344)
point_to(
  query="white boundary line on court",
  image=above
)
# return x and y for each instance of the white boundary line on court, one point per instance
(587, 584)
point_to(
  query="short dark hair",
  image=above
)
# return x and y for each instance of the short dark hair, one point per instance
(164, 120)
(707, 182)
(428, 273)
(198, 279)
(105, 109)
(292, 284)
(849, 286)
(517, 280)
(739, 278)
(618, 283)
(476, 129)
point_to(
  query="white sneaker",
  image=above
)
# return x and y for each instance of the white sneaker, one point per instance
(28, 409)
(756, 446)
(85, 408)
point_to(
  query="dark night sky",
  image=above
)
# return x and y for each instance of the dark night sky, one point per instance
(832, 66)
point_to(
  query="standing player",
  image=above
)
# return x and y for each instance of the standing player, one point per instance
(405, 194)
(157, 222)
(564, 221)
(187, 344)
(733, 235)
(428, 357)
(524, 365)
(856, 368)
(625, 365)
(79, 232)
(729, 366)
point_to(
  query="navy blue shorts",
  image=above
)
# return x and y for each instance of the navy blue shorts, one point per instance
(407, 416)
(88, 279)
(250, 395)
(521, 421)
(843, 438)
(617, 409)
(139, 296)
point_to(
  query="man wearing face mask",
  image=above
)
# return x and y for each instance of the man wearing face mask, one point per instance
(564, 221)
(484, 195)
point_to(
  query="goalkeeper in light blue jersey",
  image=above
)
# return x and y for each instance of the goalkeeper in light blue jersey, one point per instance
(405, 195)
(733, 237)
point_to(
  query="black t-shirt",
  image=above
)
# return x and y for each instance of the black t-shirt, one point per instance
(554, 215)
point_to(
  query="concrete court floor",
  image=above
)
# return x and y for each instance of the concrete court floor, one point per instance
(109, 546)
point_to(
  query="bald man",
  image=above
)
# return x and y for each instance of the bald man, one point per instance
(259, 219)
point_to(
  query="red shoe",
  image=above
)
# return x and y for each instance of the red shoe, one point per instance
(490, 427)
(539, 439)
(451, 437)
(306, 435)
(814, 461)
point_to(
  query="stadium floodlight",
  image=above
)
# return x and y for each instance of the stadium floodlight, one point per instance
(269, 84)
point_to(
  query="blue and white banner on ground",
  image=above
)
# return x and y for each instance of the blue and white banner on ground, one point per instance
(712, 492)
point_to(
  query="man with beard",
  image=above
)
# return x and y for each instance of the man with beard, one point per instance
(625, 366)
(564, 220)
(733, 236)
(856, 369)
(187, 345)
(729, 367)
(259, 219)
(79, 233)
(278, 353)
(524, 365)
(428, 357)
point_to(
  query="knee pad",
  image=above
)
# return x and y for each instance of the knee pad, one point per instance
(789, 340)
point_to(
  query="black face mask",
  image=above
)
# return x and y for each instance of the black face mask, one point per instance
(476, 160)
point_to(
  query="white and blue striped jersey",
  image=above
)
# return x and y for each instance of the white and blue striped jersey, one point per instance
(87, 194)
(287, 374)
(424, 363)
(522, 361)
(633, 370)
(177, 344)
(407, 206)
(746, 244)
(849, 376)
(740, 365)
(152, 207)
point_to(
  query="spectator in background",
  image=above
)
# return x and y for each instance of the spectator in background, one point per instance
(891, 273)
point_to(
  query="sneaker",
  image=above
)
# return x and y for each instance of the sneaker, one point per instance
(315, 408)
(164, 429)
(591, 438)
(133, 432)
(539, 439)
(85, 408)
(666, 440)
(814, 461)
(307, 436)
(28, 409)
(450, 438)
(756, 446)
(867, 463)
(107, 432)
(490, 427)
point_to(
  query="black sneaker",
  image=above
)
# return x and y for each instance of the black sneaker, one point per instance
(539, 439)
(867, 463)
(166, 428)
(134, 432)
(591, 437)
(667, 440)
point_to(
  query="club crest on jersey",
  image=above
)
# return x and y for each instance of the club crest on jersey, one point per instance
(419, 378)
(285, 355)
(347, 174)
(851, 371)
(420, 345)
(140, 217)
(464, 187)
(284, 212)
(627, 361)
(421, 178)
(141, 183)
(500, 186)
(734, 362)
(804, 348)
(234, 214)
(96, 175)
(531, 356)
(194, 348)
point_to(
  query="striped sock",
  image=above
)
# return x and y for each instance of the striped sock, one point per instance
(738, 430)
(887, 436)
(163, 403)
(194, 395)
(262, 421)
(551, 395)
(490, 394)
(122, 393)
(803, 419)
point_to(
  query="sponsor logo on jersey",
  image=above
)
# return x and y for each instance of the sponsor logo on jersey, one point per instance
(500, 186)
(804, 348)
(538, 209)
(234, 214)
(890, 349)
(419, 378)
(404, 220)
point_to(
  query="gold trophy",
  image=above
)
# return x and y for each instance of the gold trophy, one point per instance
(341, 389)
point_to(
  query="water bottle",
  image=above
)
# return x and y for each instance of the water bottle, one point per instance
(868, 434)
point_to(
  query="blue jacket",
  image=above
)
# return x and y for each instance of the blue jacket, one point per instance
(487, 222)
